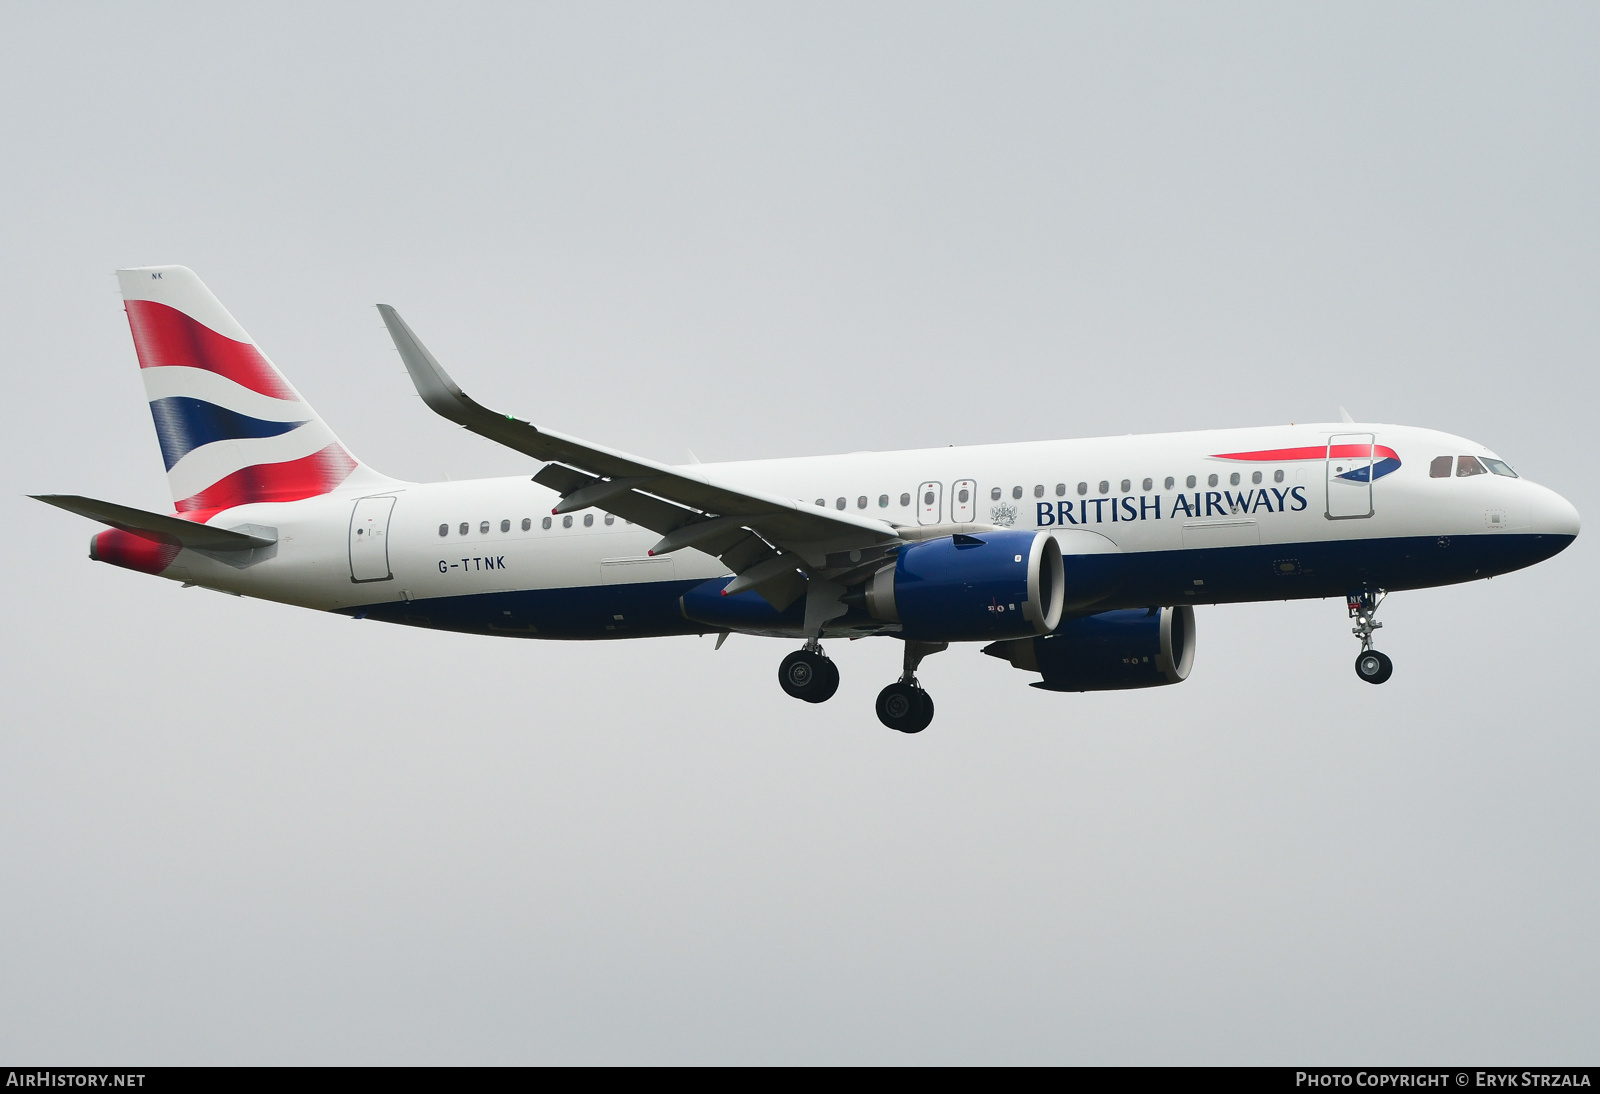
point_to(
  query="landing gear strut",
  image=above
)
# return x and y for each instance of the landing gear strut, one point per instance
(808, 674)
(1371, 666)
(903, 705)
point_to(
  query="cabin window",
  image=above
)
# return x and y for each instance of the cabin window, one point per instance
(1016, 492)
(444, 529)
(905, 500)
(1256, 478)
(861, 502)
(1500, 467)
(566, 522)
(1171, 482)
(1148, 483)
(465, 528)
(545, 524)
(1083, 488)
(1277, 476)
(1190, 482)
(1038, 491)
(611, 518)
(883, 501)
(838, 503)
(1061, 489)
(927, 499)
(1126, 486)
(588, 520)
(994, 495)
(1105, 487)
(505, 526)
(963, 495)
(527, 523)
(1211, 480)
(1233, 479)
(821, 503)
(1468, 465)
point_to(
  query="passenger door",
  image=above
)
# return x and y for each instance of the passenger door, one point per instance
(963, 501)
(1349, 476)
(369, 539)
(930, 503)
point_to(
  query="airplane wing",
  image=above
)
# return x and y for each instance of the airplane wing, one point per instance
(767, 541)
(199, 537)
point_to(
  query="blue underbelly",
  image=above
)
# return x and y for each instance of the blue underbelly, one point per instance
(1220, 575)
(640, 610)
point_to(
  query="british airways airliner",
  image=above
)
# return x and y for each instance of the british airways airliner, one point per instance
(1078, 561)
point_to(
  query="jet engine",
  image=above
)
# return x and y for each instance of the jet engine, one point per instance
(1136, 648)
(1002, 584)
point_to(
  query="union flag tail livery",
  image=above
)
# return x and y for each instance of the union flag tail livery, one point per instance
(232, 430)
(1076, 560)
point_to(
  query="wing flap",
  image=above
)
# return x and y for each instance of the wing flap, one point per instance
(642, 509)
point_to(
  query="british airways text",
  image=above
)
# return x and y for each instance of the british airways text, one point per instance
(1211, 503)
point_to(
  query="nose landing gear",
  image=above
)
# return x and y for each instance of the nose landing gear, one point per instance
(1371, 666)
(809, 674)
(903, 705)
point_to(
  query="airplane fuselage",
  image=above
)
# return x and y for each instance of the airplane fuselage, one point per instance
(1190, 518)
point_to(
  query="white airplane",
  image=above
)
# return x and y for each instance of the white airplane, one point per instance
(1076, 560)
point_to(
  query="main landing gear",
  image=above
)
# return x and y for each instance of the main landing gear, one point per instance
(903, 705)
(1371, 666)
(808, 674)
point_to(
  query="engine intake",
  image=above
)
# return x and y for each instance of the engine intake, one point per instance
(1001, 584)
(1136, 648)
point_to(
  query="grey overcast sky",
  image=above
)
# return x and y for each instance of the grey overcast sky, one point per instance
(232, 831)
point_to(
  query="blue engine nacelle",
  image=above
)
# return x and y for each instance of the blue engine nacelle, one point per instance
(1137, 648)
(1001, 584)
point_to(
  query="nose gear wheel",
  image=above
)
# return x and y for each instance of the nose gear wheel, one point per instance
(1374, 667)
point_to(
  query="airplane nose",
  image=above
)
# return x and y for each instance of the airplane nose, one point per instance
(1555, 516)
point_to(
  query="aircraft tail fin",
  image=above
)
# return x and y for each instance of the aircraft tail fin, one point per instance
(232, 429)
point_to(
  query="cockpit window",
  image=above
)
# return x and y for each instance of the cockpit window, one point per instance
(1500, 467)
(1441, 467)
(1468, 465)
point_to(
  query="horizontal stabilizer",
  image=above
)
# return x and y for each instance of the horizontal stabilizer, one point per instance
(199, 537)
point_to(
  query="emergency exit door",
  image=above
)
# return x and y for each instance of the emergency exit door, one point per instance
(369, 539)
(930, 503)
(963, 501)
